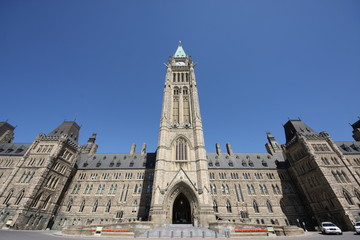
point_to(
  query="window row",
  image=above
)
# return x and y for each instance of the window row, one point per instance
(340, 176)
(321, 147)
(180, 77)
(45, 148)
(333, 159)
(245, 175)
(255, 206)
(112, 189)
(95, 205)
(26, 177)
(117, 175)
(32, 161)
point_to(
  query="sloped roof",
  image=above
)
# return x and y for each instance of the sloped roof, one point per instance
(348, 148)
(244, 160)
(117, 161)
(14, 149)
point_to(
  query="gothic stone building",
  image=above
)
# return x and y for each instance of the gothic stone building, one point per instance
(55, 182)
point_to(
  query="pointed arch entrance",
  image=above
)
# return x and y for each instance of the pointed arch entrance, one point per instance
(182, 210)
(182, 205)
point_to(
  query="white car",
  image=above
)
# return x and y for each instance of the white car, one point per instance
(357, 227)
(329, 228)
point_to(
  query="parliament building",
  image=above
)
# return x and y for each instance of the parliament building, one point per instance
(55, 182)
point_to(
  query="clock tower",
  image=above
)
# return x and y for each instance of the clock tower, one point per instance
(181, 193)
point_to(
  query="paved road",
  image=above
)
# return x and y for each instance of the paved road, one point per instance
(54, 235)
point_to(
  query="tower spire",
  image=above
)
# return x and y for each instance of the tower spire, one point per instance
(180, 53)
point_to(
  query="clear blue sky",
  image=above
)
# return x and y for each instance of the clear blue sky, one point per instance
(101, 63)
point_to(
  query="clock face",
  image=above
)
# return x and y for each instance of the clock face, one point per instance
(179, 64)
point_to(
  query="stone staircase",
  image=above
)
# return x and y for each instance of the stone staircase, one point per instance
(180, 231)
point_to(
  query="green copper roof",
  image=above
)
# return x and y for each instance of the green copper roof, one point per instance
(180, 53)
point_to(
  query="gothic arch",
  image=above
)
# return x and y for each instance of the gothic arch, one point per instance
(181, 147)
(171, 196)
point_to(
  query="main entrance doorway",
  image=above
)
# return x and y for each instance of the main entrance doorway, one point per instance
(182, 210)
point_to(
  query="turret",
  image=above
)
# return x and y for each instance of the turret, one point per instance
(356, 130)
(6, 132)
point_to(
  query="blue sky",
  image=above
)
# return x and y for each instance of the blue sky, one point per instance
(101, 63)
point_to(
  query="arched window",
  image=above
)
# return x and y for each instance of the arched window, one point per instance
(227, 189)
(181, 149)
(108, 206)
(252, 189)
(136, 188)
(36, 200)
(7, 199)
(214, 188)
(283, 206)
(95, 206)
(81, 208)
(269, 206)
(348, 197)
(69, 205)
(222, 189)
(215, 206)
(357, 194)
(46, 202)
(20, 196)
(134, 206)
(256, 206)
(248, 189)
(228, 206)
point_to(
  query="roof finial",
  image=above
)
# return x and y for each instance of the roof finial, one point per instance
(179, 42)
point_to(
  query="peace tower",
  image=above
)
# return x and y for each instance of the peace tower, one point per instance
(181, 181)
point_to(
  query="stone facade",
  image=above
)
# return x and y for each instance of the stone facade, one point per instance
(55, 182)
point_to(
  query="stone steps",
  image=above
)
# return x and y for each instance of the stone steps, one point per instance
(180, 231)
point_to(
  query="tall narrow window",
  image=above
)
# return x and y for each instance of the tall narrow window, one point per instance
(348, 198)
(95, 206)
(108, 206)
(135, 206)
(20, 196)
(36, 200)
(186, 105)
(215, 206)
(81, 208)
(69, 205)
(255, 206)
(228, 206)
(269, 206)
(46, 202)
(357, 194)
(176, 106)
(181, 149)
(7, 199)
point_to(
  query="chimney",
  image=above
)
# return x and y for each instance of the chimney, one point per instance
(218, 149)
(132, 149)
(143, 149)
(229, 149)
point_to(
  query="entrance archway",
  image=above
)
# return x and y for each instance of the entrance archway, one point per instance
(182, 210)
